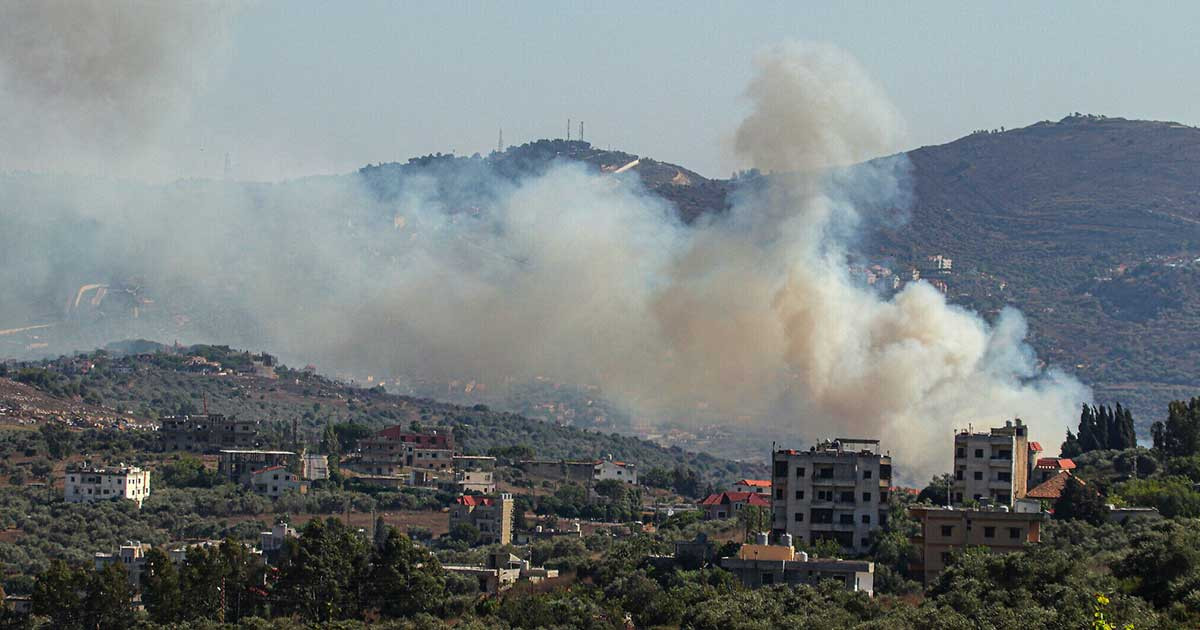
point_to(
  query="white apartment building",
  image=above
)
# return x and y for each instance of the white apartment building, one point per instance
(276, 481)
(836, 490)
(95, 484)
(993, 466)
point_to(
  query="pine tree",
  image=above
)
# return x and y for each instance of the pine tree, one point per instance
(161, 593)
(405, 579)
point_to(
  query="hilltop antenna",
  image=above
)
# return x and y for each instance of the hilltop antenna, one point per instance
(581, 130)
(500, 144)
(568, 130)
(205, 399)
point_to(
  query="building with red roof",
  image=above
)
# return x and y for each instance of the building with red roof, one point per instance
(492, 516)
(728, 504)
(1052, 488)
(1048, 467)
(757, 486)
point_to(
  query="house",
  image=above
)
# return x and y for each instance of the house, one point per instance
(757, 486)
(583, 472)
(1051, 489)
(315, 466)
(837, 490)
(276, 481)
(272, 542)
(501, 571)
(763, 564)
(618, 471)
(390, 451)
(728, 504)
(1047, 467)
(993, 466)
(238, 465)
(474, 474)
(943, 530)
(88, 484)
(492, 516)
(131, 555)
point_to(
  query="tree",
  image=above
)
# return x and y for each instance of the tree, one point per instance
(404, 578)
(321, 576)
(60, 441)
(161, 593)
(938, 490)
(1179, 436)
(1101, 428)
(1080, 502)
(465, 532)
(108, 602)
(753, 519)
(57, 594)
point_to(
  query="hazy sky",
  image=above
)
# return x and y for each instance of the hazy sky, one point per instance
(295, 88)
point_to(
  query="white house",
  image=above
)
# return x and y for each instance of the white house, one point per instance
(275, 481)
(621, 471)
(94, 484)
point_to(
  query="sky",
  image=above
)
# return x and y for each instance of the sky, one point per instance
(298, 88)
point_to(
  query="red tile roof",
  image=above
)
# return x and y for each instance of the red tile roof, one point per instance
(754, 483)
(1055, 463)
(267, 469)
(729, 498)
(472, 500)
(1036, 447)
(1052, 488)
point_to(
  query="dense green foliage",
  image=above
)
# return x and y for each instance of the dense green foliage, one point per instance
(1101, 428)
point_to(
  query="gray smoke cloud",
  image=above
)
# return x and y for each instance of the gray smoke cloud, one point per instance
(578, 276)
(90, 82)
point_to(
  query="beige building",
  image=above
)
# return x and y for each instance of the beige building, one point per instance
(271, 542)
(762, 564)
(88, 484)
(474, 473)
(501, 572)
(131, 555)
(391, 451)
(944, 530)
(207, 432)
(276, 481)
(492, 516)
(836, 490)
(993, 466)
(238, 465)
(624, 472)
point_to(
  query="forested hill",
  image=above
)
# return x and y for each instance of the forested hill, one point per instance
(162, 380)
(1091, 226)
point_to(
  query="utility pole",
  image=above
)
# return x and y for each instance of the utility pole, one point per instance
(500, 144)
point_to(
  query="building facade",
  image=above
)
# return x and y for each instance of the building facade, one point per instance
(131, 555)
(492, 516)
(728, 504)
(276, 481)
(238, 466)
(475, 474)
(200, 433)
(624, 472)
(757, 486)
(992, 467)
(944, 530)
(97, 484)
(836, 490)
(762, 564)
(392, 450)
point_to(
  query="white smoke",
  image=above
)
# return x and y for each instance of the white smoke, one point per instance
(585, 278)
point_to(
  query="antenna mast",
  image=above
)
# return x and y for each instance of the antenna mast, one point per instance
(568, 130)
(500, 144)
(581, 130)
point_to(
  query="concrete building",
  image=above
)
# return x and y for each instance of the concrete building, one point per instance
(276, 481)
(492, 516)
(316, 467)
(757, 486)
(475, 474)
(238, 466)
(560, 469)
(728, 504)
(1045, 468)
(944, 530)
(624, 472)
(762, 564)
(836, 490)
(131, 555)
(95, 484)
(501, 571)
(272, 542)
(201, 433)
(390, 451)
(993, 466)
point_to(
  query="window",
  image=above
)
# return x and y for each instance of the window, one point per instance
(799, 495)
(1004, 476)
(866, 474)
(958, 497)
(989, 532)
(947, 530)
(1014, 532)
(866, 497)
(799, 517)
(862, 542)
(826, 473)
(799, 471)
(846, 497)
(779, 493)
(979, 453)
(885, 471)
(958, 474)
(781, 468)
(846, 519)
(1004, 455)
(945, 557)
(978, 475)
(960, 453)
(866, 519)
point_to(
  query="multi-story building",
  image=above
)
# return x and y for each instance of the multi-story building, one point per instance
(315, 467)
(238, 466)
(836, 490)
(276, 481)
(131, 555)
(992, 467)
(273, 541)
(390, 451)
(624, 472)
(1046, 468)
(492, 516)
(473, 473)
(201, 433)
(944, 530)
(95, 484)
(762, 564)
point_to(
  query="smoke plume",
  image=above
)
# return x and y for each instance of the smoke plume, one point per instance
(579, 276)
